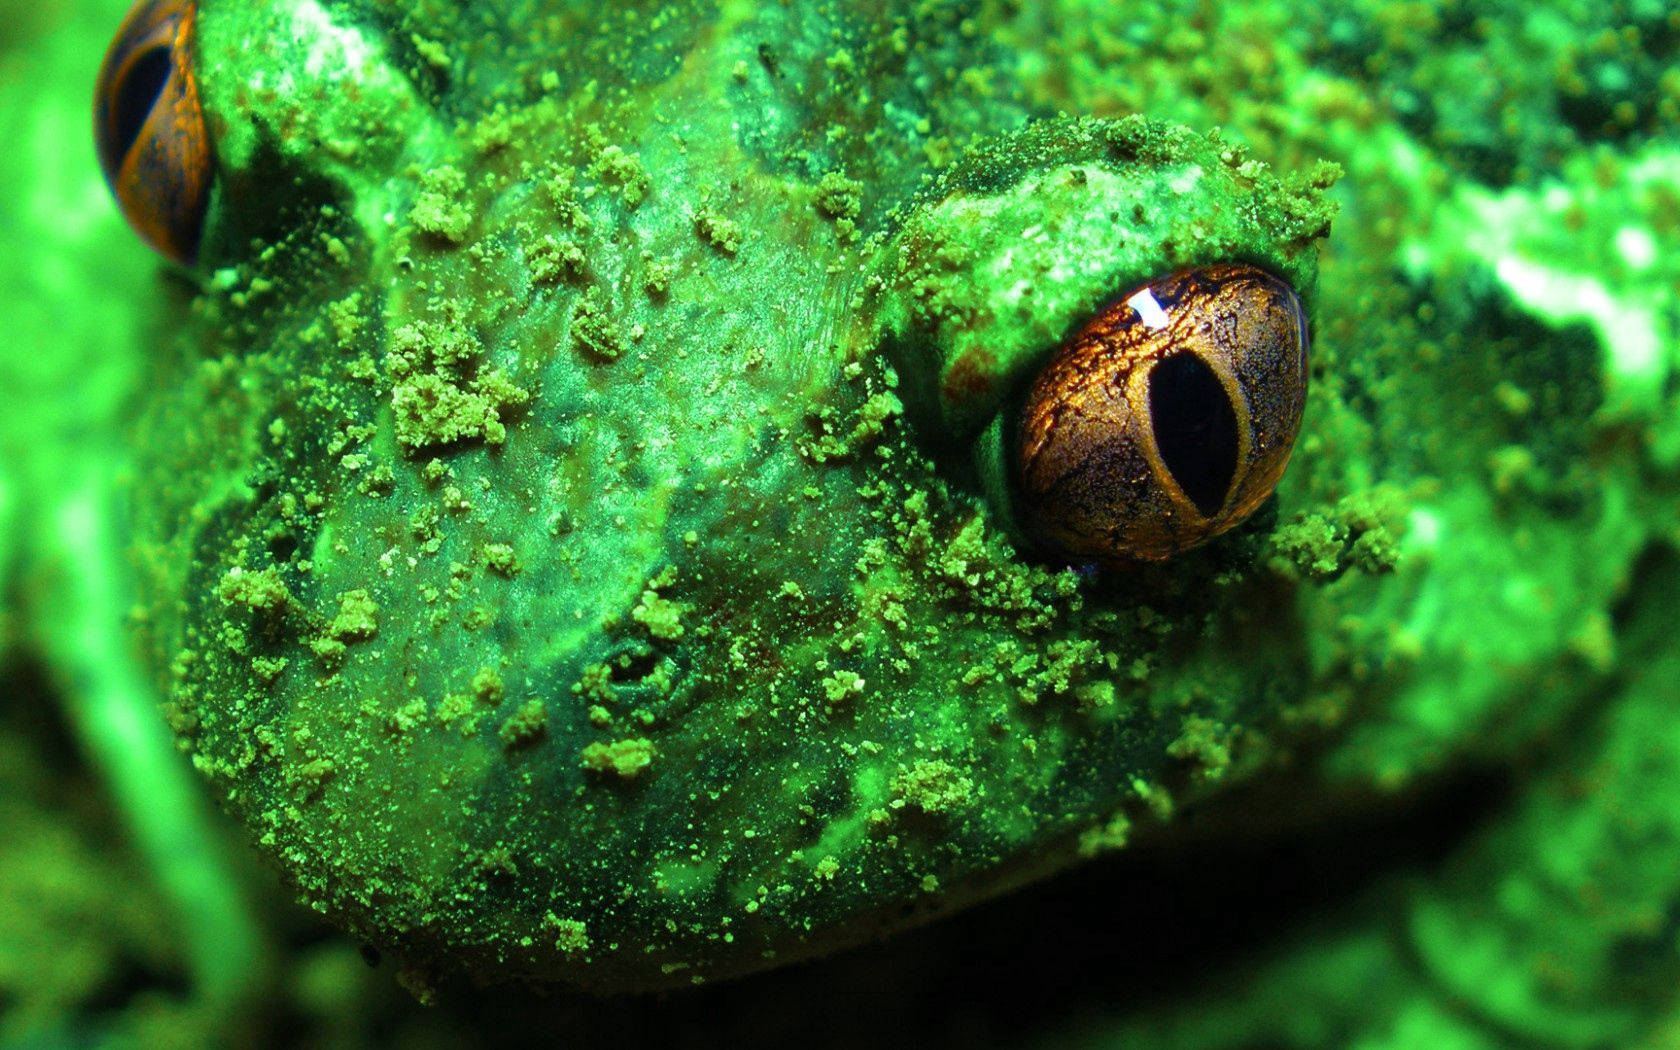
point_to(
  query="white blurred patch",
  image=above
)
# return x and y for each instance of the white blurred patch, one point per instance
(342, 46)
(1638, 249)
(1423, 529)
(1627, 330)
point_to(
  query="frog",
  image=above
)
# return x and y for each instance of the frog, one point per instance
(567, 517)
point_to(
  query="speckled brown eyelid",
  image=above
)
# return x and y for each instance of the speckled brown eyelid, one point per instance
(1090, 476)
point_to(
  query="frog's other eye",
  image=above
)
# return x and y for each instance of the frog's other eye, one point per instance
(149, 127)
(1164, 421)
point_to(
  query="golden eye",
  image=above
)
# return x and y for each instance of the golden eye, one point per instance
(1166, 420)
(149, 128)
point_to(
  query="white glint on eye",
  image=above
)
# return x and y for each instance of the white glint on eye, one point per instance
(1149, 309)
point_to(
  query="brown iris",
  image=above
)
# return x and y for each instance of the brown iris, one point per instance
(149, 128)
(1166, 420)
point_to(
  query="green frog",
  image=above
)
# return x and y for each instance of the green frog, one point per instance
(575, 516)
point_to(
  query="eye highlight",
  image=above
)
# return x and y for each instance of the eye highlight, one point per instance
(149, 127)
(1166, 420)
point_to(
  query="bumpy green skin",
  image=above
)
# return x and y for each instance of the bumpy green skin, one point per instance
(559, 334)
(553, 583)
(1017, 245)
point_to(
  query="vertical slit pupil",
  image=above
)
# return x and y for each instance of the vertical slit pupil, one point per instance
(1195, 429)
(136, 96)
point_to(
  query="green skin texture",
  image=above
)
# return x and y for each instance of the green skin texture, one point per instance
(758, 449)
(699, 524)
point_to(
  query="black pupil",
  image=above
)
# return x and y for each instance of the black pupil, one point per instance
(138, 93)
(1195, 429)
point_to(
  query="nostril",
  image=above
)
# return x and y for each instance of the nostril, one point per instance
(282, 547)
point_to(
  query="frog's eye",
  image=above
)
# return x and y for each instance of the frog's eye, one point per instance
(1165, 420)
(149, 128)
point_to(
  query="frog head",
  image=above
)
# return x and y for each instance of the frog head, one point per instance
(576, 518)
